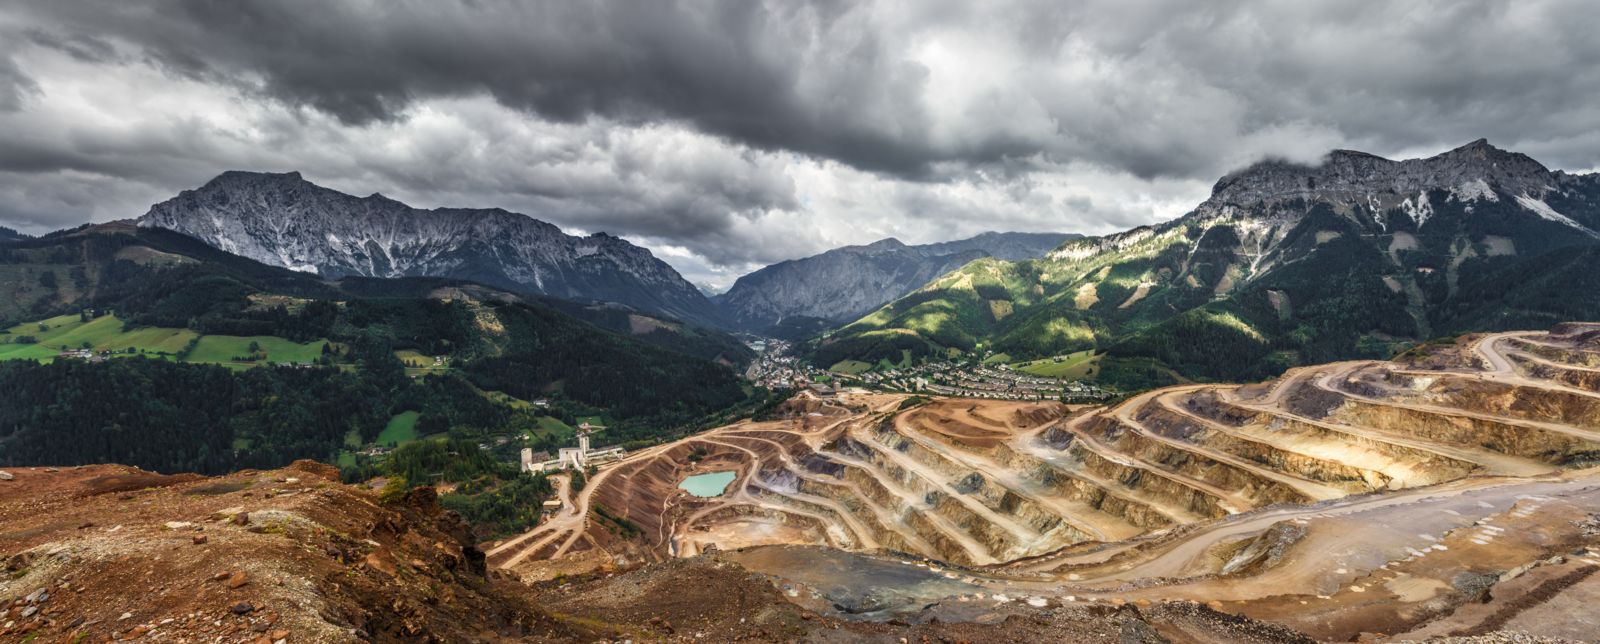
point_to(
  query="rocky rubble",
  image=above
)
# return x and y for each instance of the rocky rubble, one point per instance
(285, 556)
(109, 554)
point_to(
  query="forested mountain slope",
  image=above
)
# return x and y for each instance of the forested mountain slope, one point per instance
(1283, 265)
(158, 409)
(845, 283)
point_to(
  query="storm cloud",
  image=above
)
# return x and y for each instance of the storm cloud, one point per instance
(729, 134)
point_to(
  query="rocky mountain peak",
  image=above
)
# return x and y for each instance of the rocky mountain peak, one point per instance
(887, 243)
(283, 220)
(1353, 176)
(238, 178)
(1492, 163)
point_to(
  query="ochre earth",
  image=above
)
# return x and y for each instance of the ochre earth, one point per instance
(1350, 498)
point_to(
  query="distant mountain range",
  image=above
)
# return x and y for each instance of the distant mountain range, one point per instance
(1284, 264)
(284, 220)
(845, 283)
(9, 235)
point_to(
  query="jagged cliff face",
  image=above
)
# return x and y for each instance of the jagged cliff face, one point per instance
(283, 220)
(1293, 264)
(1265, 201)
(846, 283)
(1471, 171)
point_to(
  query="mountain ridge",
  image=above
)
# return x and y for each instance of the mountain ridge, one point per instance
(283, 220)
(1467, 170)
(1283, 264)
(849, 281)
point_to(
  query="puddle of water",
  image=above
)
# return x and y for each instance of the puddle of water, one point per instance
(707, 485)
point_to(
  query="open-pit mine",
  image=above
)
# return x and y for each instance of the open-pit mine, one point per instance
(1452, 490)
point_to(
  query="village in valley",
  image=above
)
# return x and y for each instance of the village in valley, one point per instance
(977, 380)
(776, 367)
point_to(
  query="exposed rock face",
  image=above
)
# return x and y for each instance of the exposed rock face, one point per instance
(846, 283)
(1380, 195)
(1349, 175)
(284, 220)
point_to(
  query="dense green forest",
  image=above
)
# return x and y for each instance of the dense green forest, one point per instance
(163, 279)
(173, 416)
(503, 352)
(491, 494)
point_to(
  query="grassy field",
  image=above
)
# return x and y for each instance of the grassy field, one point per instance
(224, 348)
(858, 367)
(401, 429)
(1076, 366)
(852, 367)
(103, 333)
(506, 399)
(905, 361)
(413, 357)
(151, 340)
(552, 425)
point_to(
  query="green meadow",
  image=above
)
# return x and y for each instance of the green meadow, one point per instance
(423, 363)
(224, 348)
(105, 333)
(401, 429)
(1075, 366)
(852, 367)
(100, 334)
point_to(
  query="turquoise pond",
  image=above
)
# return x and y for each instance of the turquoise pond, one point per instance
(707, 485)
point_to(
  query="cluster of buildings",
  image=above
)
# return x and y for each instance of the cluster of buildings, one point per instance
(999, 382)
(776, 367)
(81, 354)
(571, 458)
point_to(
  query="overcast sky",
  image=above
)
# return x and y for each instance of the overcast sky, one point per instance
(729, 135)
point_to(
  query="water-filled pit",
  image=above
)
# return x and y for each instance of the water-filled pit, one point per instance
(710, 484)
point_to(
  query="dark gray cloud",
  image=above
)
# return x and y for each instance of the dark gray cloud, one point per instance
(15, 86)
(1155, 89)
(736, 132)
(776, 76)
